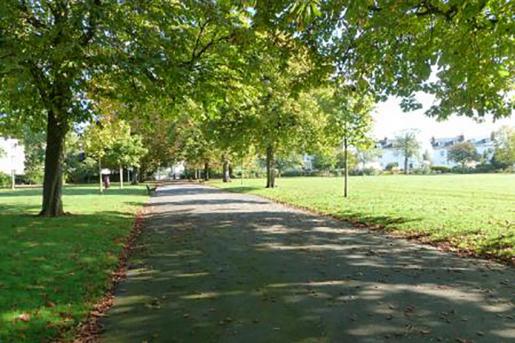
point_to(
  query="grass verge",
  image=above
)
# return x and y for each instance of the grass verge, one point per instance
(468, 213)
(55, 269)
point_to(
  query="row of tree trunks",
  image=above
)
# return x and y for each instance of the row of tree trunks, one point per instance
(57, 129)
(270, 164)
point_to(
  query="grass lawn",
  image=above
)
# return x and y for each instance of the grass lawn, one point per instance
(54, 269)
(472, 212)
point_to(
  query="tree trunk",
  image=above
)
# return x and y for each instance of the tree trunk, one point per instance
(121, 177)
(53, 180)
(270, 163)
(206, 171)
(13, 179)
(135, 176)
(141, 174)
(100, 188)
(406, 165)
(226, 172)
(346, 162)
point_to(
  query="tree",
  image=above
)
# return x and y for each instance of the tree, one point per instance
(98, 139)
(505, 146)
(427, 156)
(126, 151)
(111, 143)
(324, 161)
(57, 57)
(287, 119)
(34, 148)
(350, 119)
(288, 161)
(367, 155)
(408, 146)
(403, 47)
(463, 153)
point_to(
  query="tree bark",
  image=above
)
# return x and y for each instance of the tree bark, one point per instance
(226, 171)
(135, 176)
(206, 171)
(346, 162)
(121, 177)
(53, 180)
(406, 165)
(270, 163)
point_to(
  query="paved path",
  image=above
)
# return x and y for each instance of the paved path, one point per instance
(213, 266)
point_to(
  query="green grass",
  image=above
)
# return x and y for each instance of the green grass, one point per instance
(471, 212)
(54, 269)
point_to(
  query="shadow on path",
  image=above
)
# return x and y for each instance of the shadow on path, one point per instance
(213, 266)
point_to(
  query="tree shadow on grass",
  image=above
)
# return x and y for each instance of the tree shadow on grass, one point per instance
(53, 269)
(368, 219)
(266, 273)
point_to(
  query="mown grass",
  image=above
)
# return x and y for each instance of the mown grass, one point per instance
(54, 269)
(470, 212)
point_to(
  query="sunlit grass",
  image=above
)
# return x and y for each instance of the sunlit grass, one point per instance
(54, 269)
(473, 212)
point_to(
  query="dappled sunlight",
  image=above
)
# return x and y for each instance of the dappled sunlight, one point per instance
(269, 273)
(53, 269)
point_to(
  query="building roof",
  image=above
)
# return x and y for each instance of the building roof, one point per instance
(446, 141)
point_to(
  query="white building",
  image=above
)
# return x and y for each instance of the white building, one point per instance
(170, 173)
(390, 155)
(440, 154)
(485, 147)
(307, 161)
(12, 156)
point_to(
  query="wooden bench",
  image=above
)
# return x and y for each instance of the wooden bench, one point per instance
(150, 190)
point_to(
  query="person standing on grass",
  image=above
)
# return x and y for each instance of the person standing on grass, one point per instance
(107, 181)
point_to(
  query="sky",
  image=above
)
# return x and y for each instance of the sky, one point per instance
(389, 119)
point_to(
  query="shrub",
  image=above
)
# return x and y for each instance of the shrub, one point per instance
(34, 175)
(365, 171)
(485, 168)
(391, 165)
(440, 169)
(462, 170)
(5, 180)
(293, 172)
(424, 170)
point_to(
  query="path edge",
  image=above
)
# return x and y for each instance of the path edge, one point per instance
(443, 246)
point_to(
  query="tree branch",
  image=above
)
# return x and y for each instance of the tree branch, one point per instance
(92, 23)
(29, 16)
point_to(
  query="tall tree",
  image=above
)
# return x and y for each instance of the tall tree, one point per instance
(460, 52)
(505, 146)
(463, 153)
(350, 120)
(408, 146)
(56, 56)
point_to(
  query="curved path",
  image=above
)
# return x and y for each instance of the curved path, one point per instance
(213, 266)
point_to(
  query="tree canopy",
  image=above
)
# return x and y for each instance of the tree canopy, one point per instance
(248, 67)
